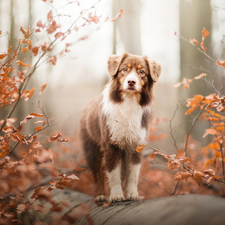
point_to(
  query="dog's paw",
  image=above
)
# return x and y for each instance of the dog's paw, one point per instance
(133, 196)
(118, 197)
(100, 198)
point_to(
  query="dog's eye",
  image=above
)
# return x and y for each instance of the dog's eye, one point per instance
(125, 69)
(141, 71)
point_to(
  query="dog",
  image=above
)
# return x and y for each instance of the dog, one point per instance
(113, 124)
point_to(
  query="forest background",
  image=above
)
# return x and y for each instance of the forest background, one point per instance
(53, 60)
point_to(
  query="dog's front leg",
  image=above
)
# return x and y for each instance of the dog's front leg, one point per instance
(133, 175)
(113, 160)
(114, 178)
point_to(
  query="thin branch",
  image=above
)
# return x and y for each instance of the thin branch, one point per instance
(204, 53)
(204, 70)
(194, 121)
(171, 128)
(168, 192)
(35, 132)
(211, 83)
(175, 189)
(221, 150)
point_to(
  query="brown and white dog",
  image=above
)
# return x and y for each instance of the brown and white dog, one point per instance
(113, 124)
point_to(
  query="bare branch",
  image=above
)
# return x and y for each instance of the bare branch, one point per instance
(171, 128)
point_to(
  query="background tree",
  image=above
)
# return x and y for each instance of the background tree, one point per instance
(194, 16)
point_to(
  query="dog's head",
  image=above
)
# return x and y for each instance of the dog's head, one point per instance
(132, 75)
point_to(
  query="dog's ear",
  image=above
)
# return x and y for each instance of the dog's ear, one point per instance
(155, 69)
(114, 62)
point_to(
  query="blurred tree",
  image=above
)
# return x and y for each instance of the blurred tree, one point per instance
(194, 16)
(128, 25)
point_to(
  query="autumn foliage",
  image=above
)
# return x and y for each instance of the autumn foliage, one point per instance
(25, 162)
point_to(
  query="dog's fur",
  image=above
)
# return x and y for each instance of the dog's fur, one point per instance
(113, 124)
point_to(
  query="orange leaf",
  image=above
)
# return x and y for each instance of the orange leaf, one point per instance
(181, 175)
(221, 63)
(140, 148)
(58, 34)
(210, 172)
(63, 140)
(35, 50)
(39, 24)
(43, 88)
(214, 114)
(29, 117)
(95, 19)
(152, 156)
(2, 154)
(220, 128)
(22, 30)
(73, 177)
(49, 16)
(106, 204)
(177, 85)
(189, 111)
(27, 35)
(55, 137)
(24, 49)
(211, 131)
(28, 93)
(180, 154)
(193, 41)
(2, 56)
(205, 33)
(22, 63)
(37, 114)
(198, 176)
(198, 98)
(209, 180)
(118, 15)
(31, 92)
(214, 146)
(200, 76)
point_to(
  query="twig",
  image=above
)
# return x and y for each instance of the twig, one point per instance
(168, 192)
(171, 129)
(204, 70)
(203, 52)
(192, 127)
(221, 150)
(175, 189)
(211, 83)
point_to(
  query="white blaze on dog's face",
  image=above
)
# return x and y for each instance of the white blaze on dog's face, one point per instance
(131, 82)
(132, 76)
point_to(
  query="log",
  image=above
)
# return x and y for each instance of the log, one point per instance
(183, 210)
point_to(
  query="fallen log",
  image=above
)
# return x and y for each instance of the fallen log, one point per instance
(183, 210)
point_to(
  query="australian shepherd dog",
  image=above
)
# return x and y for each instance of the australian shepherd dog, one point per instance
(113, 124)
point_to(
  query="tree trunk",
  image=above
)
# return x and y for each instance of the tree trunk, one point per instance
(194, 16)
(128, 25)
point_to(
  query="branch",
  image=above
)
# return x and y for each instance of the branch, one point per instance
(171, 129)
(204, 53)
(192, 127)
(35, 132)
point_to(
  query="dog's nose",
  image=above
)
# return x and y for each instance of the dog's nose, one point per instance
(131, 82)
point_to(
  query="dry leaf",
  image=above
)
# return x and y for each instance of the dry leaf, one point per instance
(50, 16)
(140, 148)
(43, 88)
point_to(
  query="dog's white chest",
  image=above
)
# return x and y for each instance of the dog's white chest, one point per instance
(124, 122)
